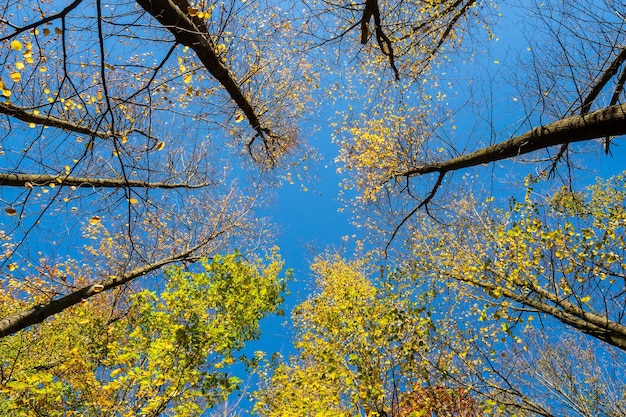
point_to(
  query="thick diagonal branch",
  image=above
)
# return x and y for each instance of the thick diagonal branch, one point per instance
(593, 324)
(26, 180)
(609, 121)
(191, 32)
(603, 81)
(37, 314)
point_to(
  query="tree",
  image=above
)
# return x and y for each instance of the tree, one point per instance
(164, 353)
(114, 114)
(550, 264)
(565, 88)
(563, 257)
(574, 377)
(364, 349)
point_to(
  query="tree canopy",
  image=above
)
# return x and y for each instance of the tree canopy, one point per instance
(143, 141)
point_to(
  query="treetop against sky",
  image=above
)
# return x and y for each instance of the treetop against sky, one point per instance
(142, 135)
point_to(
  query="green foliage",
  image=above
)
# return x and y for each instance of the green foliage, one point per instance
(165, 353)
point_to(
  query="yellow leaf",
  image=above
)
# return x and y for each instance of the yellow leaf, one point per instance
(238, 118)
(16, 45)
(10, 211)
(12, 267)
(19, 65)
(6, 93)
(160, 146)
(15, 76)
(133, 201)
(94, 220)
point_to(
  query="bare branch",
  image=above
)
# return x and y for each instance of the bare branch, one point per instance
(43, 21)
(610, 121)
(37, 314)
(603, 80)
(191, 32)
(424, 203)
(25, 180)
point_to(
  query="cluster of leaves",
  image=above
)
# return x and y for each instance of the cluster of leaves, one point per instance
(153, 353)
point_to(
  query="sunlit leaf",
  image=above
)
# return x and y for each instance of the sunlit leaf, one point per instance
(16, 45)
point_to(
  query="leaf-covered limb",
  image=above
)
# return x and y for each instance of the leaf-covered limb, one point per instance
(596, 325)
(28, 116)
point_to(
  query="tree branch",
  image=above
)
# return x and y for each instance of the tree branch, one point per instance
(587, 322)
(37, 314)
(24, 115)
(609, 121)
(370, 10)
(602, 81)
(192, 32)
(23, 180)
(43, 21)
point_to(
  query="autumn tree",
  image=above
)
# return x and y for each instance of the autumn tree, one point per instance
(563, 257)
(133, 116)
(561, 84)
(364, 348)
(552, 264)
(166, 352)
